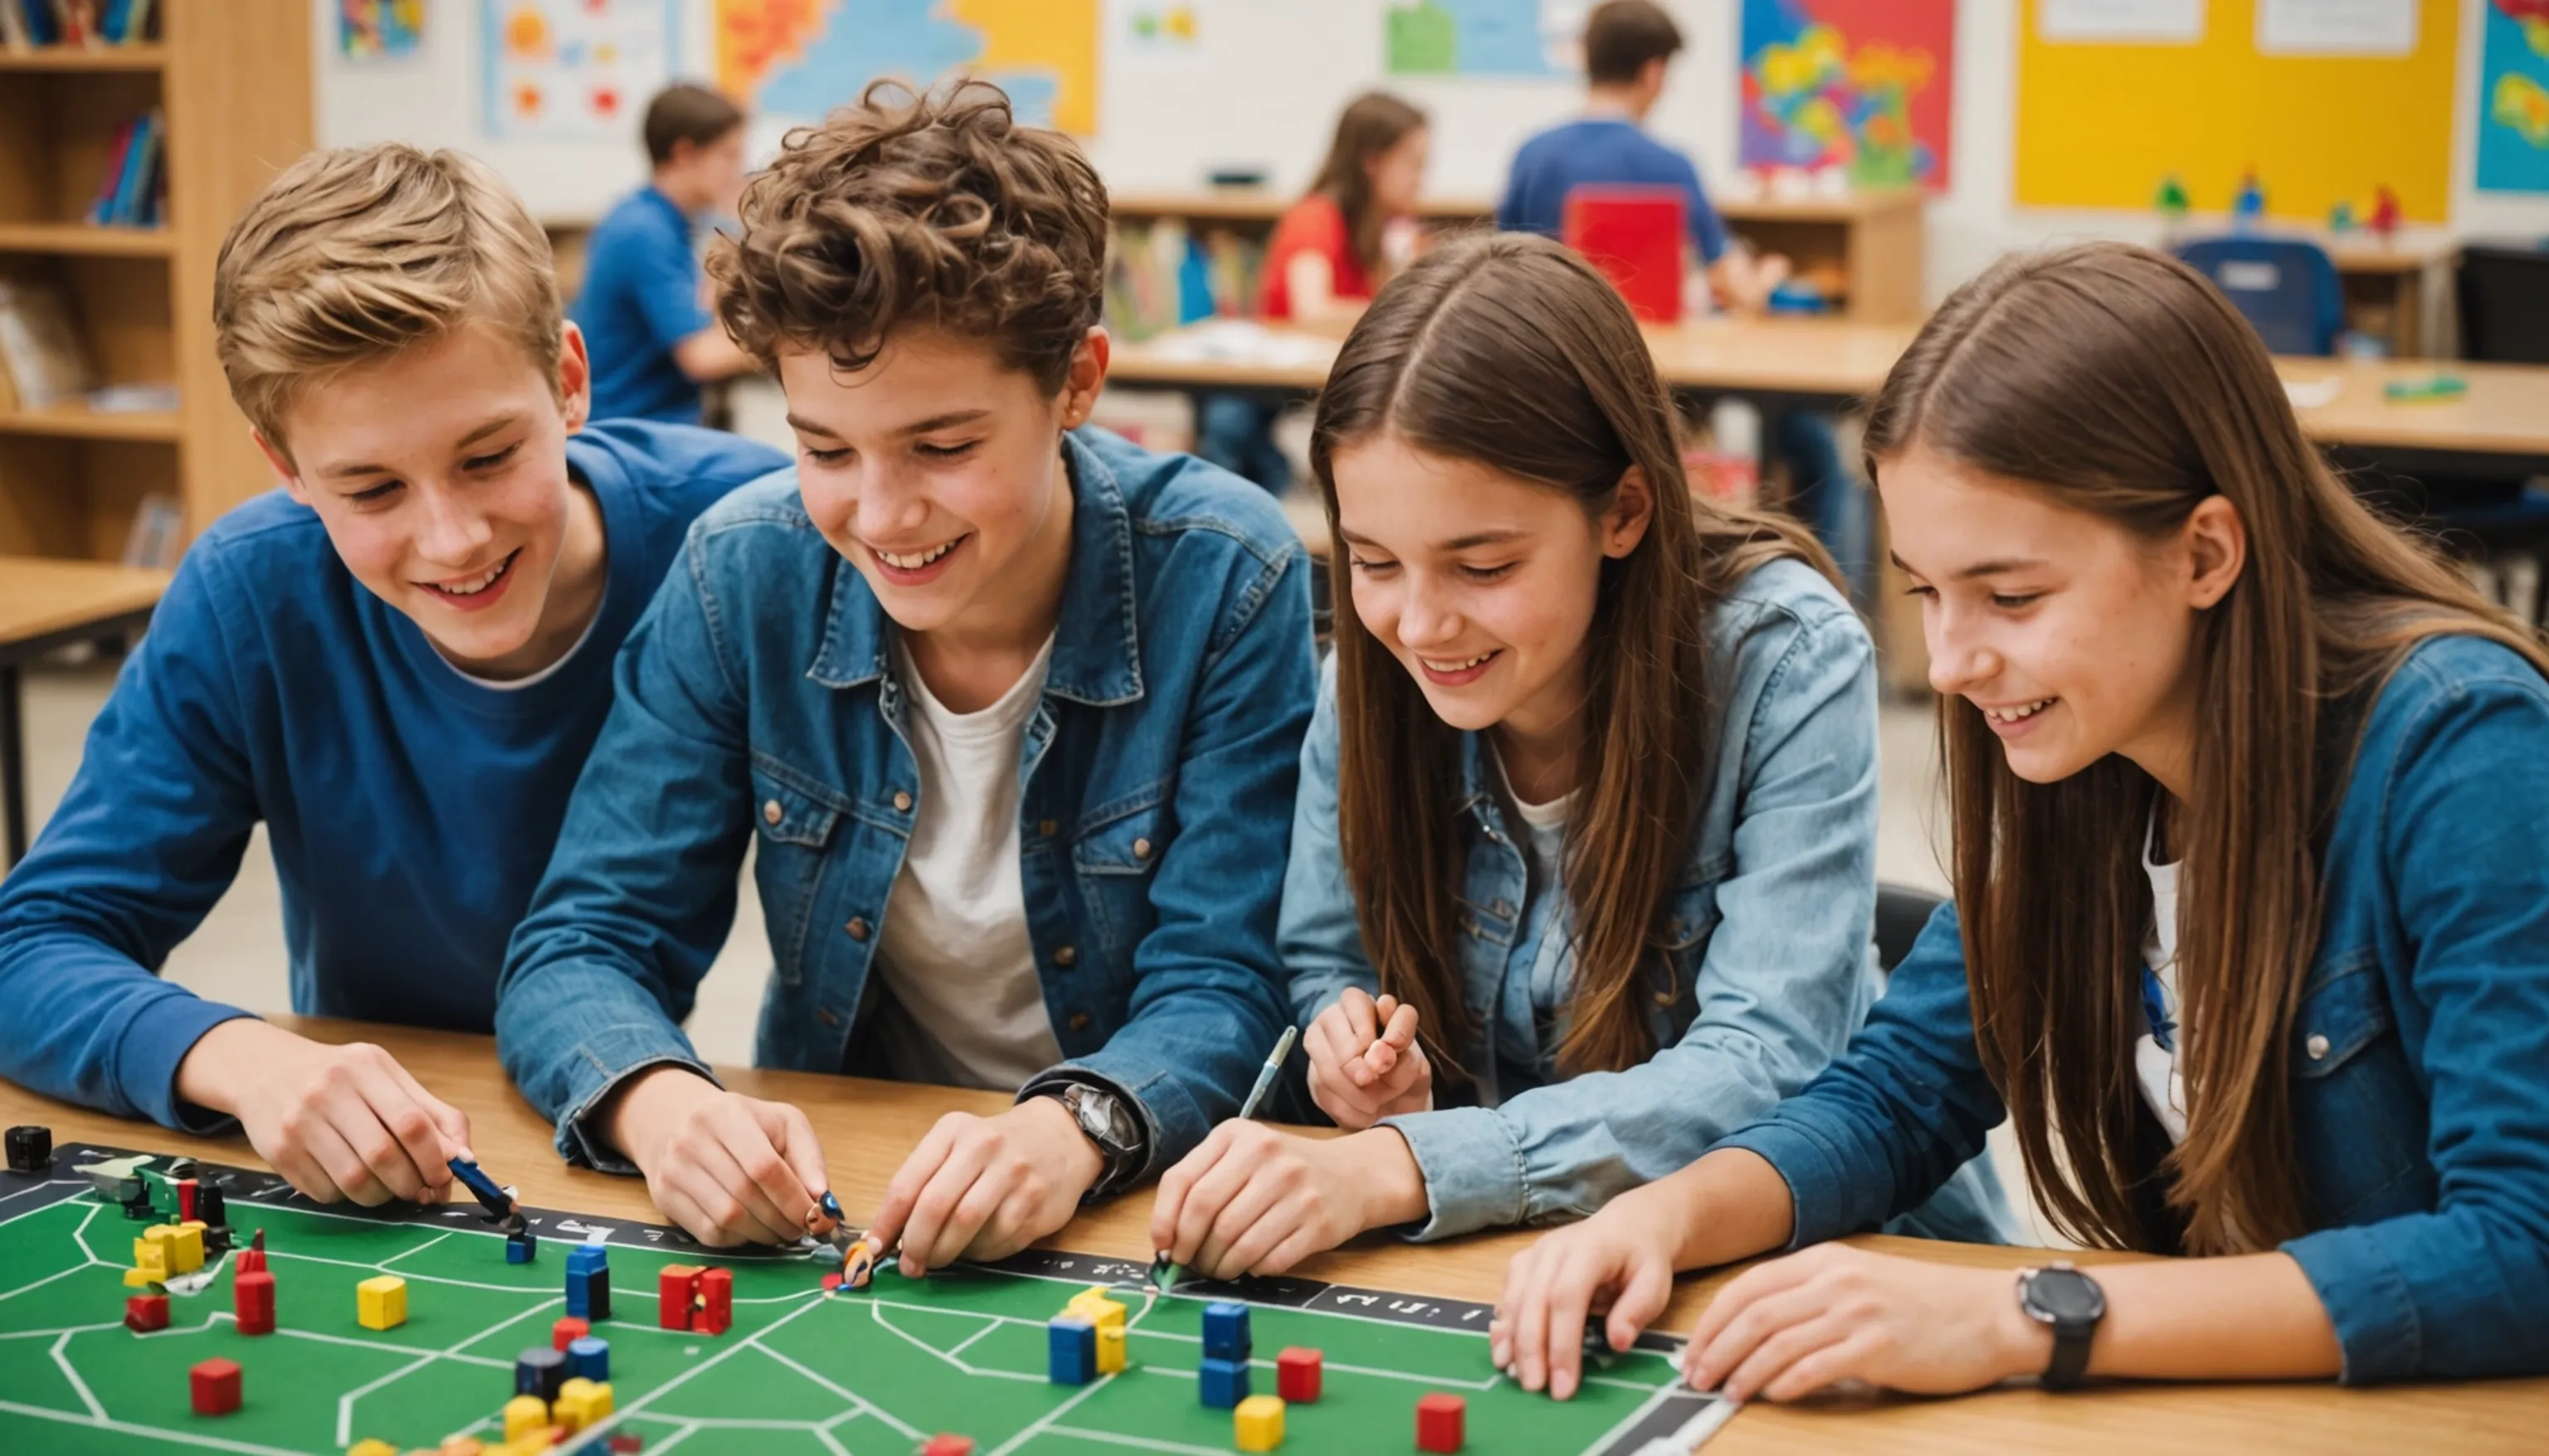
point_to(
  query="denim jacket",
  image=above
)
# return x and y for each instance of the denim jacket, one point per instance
(759, 705)
(2420, 1052)
(1764, 966)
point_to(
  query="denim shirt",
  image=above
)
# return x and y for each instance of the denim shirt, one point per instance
(758, 704)
(1765, 966)
(2420, 1052)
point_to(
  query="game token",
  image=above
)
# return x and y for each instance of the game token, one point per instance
(857, 1263)
(944, 1444)
(497, 1203)
(215, 1387)
(1597, 1339)
(1297, 1375)
(1256, 1423)
(144, 1312)
(1221, 1384)
(1440, 1423)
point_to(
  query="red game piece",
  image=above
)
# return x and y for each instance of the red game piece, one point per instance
(717, 1303)
(567, 1331)
(250, 1261)
(253, 1299)
(144, 1312)
(185, 1199)
(943, 1444)
(627, 1444)
(1296, 1376)
(675, 1290)
(832, 1282)
(215, 1387)
(1439, 1421)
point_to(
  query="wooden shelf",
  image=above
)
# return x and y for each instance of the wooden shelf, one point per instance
(149, 57)
(80, 422)
(85, 240)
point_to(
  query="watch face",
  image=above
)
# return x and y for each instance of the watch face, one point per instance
(2065, 1296)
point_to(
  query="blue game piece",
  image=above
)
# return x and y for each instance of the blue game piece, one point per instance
(520, 1247)
(539, 1370)
(1070, 1351)
(587, 1256)
(1221, 1384)
(589, 1358)
(1225, 1331)
(588, 1292)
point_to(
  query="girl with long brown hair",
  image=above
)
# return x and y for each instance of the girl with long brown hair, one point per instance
(1582, 868)
(2252, 931)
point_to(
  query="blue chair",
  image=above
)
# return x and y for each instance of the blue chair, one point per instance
(2286, 286)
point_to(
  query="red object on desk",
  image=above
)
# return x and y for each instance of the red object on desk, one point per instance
(1633, 235)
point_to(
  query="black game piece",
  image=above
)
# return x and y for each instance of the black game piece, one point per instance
(30, 1149)
(1598, 1340)
(209, 1209)
(539, 1370)
(142, 1209)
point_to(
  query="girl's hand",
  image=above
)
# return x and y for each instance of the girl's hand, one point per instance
(1832, 1313)
(1365, 1063)
(1254, 1200)
(1620, 1260)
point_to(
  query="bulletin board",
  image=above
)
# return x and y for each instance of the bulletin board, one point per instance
(2100, 125)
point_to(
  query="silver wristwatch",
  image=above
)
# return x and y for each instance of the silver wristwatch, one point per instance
(1109, 1123)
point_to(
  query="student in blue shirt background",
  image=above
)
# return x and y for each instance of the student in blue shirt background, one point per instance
(1627, 46)
(643, 309)
(396, 663)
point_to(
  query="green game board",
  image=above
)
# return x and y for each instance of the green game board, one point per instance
(872, 1371)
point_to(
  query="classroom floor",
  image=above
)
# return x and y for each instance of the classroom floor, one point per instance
(237, 955)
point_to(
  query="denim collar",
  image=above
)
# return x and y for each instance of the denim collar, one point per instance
(1097, 653)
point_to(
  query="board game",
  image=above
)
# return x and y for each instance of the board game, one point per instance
(970, 1351)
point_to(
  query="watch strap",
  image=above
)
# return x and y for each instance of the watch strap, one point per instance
(2070, 1363)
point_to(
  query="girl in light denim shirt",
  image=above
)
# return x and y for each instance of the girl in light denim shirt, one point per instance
(1589, 800)
(2252, 931)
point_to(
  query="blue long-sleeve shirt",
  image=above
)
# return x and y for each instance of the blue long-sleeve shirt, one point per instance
(411, 809)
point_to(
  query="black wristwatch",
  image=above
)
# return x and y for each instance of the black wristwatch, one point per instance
(1115, 1128)
(2072, 1304)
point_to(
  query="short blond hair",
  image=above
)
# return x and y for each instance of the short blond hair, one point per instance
(356, 253)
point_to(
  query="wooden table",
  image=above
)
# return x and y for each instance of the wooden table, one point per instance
(46, 603)
(867, 1128)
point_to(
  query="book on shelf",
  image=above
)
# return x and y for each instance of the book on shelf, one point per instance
(39, 346)
(27, 24)
(134, 190)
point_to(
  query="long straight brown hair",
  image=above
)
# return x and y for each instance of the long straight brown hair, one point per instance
(1370, 125)
(1510, 351)
(2117, 381)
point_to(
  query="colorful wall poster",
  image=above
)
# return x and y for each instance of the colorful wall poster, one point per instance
(379, 29)
(1485, 38)
(2513, 98)
(1865, 86)
(576, 69)
(796, 59)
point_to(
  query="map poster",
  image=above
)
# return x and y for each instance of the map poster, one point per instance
(793, 60)
(1863, 85)
(1485, 38)
(576, 69)
(2513, 98)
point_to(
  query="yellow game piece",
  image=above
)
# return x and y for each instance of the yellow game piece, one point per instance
(185, 1248)
(461, 1446)
(1110, 1349)
(150, 1251)
(371, 1446)
(380, 1301)
(1097, 1308)
(582, 1403)
(140, 1279)
(1258, 1423)
(525, 1416)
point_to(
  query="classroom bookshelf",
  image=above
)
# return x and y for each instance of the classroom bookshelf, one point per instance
(232, 79)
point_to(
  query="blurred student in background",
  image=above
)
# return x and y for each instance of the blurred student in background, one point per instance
(1329, 256)
(645, 307)
(1627, 46)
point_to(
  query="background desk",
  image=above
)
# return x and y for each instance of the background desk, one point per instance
(44, 604)
(868, 1127)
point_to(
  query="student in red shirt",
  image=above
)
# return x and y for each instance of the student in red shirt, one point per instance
(1326, 260)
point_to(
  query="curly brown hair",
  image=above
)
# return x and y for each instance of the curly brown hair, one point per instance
(919, 208)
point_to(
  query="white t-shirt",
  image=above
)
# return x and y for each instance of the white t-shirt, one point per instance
(968, 1004)
(2155, 1052)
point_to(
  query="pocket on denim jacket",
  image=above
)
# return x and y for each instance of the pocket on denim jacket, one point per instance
(1113, 860)
(797, 820)
(2356, 1098)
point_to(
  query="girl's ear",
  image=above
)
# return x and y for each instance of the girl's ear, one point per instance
(1633, 509)
(2217, 548)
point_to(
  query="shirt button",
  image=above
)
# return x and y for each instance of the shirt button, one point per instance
(1079, 1020)
(1048, 828)
(771, 813)
(1141, 848)
(2318, 1046)
(1066, 955)
(1663, 998)
(1504, 907)
(858, 929)
(827, 1016)
(901, 802)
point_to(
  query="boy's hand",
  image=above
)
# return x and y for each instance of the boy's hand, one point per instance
(336, 1121)
(985, 1188)
(1621, 1259)
(1365, 1062)
(1254, 1200)
(728, 1168)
